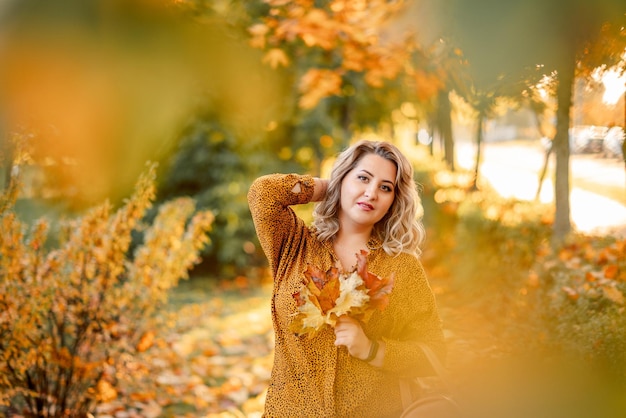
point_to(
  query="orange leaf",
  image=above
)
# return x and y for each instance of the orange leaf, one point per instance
(565, 255)
(533, 279)
(324, 287)
(299, 299)
(316, 276)
(603, 256)
(329, 294)
(317, 84)
(146, 341)
(572, 294)
(611, 271)
(378, 288)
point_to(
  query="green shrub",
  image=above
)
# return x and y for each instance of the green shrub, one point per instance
(215, 167)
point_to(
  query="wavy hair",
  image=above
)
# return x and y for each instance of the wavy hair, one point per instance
(401, 229)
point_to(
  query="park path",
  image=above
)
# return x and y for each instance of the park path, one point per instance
(598, 194)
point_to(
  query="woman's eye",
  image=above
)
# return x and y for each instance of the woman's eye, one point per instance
(362, 178)
(386, 188)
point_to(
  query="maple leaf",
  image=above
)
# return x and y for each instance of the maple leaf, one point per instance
(352, 295)
(310, 316)
(378, 288)
(276, 57)
(325, 296)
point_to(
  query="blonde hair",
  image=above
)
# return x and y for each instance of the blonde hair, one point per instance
(401, 229)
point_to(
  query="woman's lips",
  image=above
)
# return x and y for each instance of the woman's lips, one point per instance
(365, 205)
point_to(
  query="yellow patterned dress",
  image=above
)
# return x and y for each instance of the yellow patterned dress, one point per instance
(311, 377)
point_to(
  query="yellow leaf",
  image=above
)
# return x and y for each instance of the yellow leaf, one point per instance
(258, 32)
(613, 294)
(276, 57)
(106, 391)
(350, 295)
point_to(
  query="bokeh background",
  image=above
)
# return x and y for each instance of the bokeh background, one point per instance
(513, 114)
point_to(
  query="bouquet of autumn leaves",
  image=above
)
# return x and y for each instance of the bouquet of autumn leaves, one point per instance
(325, 296)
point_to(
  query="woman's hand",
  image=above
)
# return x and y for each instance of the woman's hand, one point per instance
(349, 333)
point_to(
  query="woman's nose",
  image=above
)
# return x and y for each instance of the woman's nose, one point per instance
(371, 192)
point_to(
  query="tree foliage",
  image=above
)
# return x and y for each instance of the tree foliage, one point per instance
(214, 166)
(68, 313)
(349, 65)
(510, 40)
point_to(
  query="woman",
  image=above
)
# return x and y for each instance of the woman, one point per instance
(370, 203)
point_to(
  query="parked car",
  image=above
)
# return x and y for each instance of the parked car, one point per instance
(587, 138)
(613, 142)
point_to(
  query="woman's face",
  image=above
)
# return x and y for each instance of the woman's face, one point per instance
(367, 191)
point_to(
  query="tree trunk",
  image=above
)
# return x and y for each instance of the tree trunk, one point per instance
(562, 221)
(624, 141)
(6, 159)
(444, 126)
(544, 169)
(548, 151)
(479, 146)
(432, 130)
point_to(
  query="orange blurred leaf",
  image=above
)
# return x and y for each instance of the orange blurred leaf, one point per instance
(571, 293)
(317, 84)
(533, 279)
(146, 341)
(428, 85)
(611, 271)
(590, 277)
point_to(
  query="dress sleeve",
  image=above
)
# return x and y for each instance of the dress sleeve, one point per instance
(418, 316)
(276, 224)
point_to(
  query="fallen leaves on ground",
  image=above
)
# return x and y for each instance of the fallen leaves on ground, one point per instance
(211, 356)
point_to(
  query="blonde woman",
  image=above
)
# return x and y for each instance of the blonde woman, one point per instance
(369, 203)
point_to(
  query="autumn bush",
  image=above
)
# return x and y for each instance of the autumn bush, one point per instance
(484, 240)
(71, 311)
(566, 301)
(577, 294)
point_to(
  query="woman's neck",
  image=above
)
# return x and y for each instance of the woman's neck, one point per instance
(355, 238)
(347, 244)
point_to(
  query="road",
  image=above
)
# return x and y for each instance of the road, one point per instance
(598, 186)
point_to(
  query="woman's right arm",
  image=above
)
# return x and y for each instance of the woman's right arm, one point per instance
(276, 224)
(319, 190)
